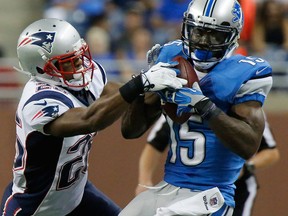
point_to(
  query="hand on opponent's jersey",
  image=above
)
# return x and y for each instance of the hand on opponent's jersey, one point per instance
(158, 77)
(165, 80)
(161, 76)
(152, 55)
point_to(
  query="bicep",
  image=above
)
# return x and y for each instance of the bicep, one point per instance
(241, 130)
(251, 113)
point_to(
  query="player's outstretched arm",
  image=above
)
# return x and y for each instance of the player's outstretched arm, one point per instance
(100, 114)
(110, 106)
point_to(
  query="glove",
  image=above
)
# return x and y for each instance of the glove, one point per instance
(158, 77)
(186, 98)
(153, 54)
(189, 99)
(161, 76)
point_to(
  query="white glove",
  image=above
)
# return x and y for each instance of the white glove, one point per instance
(153, 54)
(161, 76)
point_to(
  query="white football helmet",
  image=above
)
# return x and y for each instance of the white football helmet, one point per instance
(48, 44)
(210, 30)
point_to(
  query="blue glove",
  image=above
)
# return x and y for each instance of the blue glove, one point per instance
(186, 98)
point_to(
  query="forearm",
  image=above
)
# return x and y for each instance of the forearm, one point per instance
(148, 163)
(265, 158)
(139, 116)
(105, 111)
(102, 113)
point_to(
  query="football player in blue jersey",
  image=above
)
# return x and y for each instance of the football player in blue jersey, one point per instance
(246, 185)
(64, 103)
(225, 128)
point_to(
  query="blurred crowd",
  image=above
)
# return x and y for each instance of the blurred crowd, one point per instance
(121, 30)
(126, 30)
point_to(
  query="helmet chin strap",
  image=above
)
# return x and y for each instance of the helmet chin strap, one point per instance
(47, 80)
(76, 81)
(22, 71)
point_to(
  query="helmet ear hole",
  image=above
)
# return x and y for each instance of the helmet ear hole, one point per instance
(40, 70)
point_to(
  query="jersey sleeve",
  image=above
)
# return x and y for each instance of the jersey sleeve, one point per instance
(259, 84)
(169, 51)
(236, 80)
(44, 107)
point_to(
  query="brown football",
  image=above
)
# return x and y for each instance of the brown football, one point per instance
(186, 72)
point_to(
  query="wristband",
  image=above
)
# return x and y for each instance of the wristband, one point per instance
(132, 89)
(207, 109)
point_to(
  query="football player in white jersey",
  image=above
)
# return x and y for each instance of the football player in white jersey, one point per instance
(207, 151)
(63, 105)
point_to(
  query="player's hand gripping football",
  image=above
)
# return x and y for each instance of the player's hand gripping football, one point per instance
(192, 98)
(186, 98)
(161, 76)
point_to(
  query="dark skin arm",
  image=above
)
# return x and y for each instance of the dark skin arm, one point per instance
(140, 115)
(99, 115)
(241, 132)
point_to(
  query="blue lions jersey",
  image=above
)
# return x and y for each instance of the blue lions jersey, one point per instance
(197, 159)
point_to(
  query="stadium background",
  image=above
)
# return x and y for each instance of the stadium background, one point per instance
(113, 160)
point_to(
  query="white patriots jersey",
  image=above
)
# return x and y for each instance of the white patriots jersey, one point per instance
(50, 172)
(197, 159)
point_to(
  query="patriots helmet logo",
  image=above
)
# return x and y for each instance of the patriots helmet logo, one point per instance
(237, 12)
(43, 39)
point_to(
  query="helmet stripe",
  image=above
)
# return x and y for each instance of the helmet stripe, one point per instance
(209, 7)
